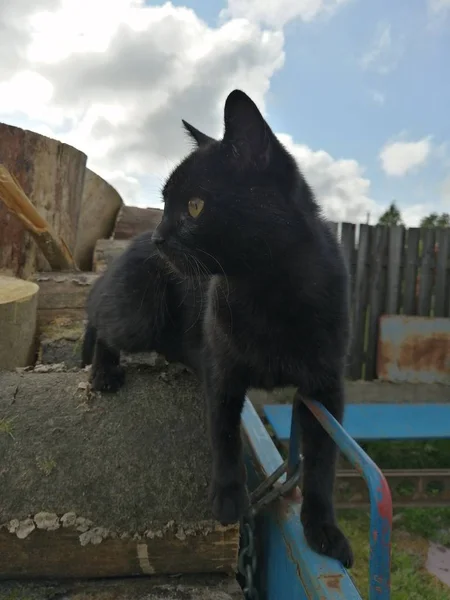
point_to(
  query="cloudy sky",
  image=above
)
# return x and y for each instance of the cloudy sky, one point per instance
(357, 90)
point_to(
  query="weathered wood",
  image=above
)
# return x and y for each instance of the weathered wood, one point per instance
(376, 297)
(134, 469)
(442, 287)
(412, 262)
(53, 247)
(18, 309)
(426, 272)
(359, 309)
(62, 295)
(99, 208)
(394, 271)
(194, 587)
(105, 252)
(348, 250)
(52, 175)
(133, 220)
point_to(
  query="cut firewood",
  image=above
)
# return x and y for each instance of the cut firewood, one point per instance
(106, 251)
(63, 295)
(51, 175)
(133, 220)
(193, 587)
(52, 246)
(99, 208)
(18, 309)
(107, 485)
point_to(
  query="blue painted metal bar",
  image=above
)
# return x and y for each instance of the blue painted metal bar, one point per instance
(377, 421)
(380, 502)
(292, 571)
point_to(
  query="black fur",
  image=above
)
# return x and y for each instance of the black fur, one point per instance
(275, 312)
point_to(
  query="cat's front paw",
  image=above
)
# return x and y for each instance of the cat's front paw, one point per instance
(108, 380)
(326, 538)
(229, 502)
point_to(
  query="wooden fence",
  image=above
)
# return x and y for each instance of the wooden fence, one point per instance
(393, 270)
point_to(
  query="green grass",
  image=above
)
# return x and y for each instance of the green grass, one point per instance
(413, 527)
(409, 578)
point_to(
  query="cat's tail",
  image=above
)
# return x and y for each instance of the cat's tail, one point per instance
(87, 351)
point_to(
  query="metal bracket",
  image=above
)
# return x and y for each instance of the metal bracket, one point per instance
(267, 492)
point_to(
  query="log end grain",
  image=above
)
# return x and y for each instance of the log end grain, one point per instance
(18, 315)
(99, 207)
(98, 485)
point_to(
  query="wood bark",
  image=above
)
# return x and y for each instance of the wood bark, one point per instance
(53, 247)
(18, 310)
(52, 176)
(196, 587)
(133, 220)
(99, 207)
(104, 486)
(105, 252)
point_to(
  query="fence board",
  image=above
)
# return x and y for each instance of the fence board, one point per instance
(426, 272)
(356, 357)
(410, 272)
(377, 297)
(394, 272)
(348, 250)
(442, 293)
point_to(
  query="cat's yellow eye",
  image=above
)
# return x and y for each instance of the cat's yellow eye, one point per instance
(195, 207)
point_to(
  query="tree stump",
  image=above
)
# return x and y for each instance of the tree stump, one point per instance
(18, 310)
(133, 220)
(107, 485)
(52, 176)
(99, 207)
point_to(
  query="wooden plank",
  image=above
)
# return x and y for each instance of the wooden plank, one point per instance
(394, 269)
(333, 227)
(442, 293)
(426, 272)
(359, 305)
(372, 422)
(376, 296)
(410, 272)
(194, 587)
(348, 250)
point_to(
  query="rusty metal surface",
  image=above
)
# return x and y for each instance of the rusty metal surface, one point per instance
(409, 488)
(414, 349)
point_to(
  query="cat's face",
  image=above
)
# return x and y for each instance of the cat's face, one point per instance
(225, 200)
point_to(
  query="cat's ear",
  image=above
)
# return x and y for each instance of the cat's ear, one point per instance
(201, 139)
(246, 131)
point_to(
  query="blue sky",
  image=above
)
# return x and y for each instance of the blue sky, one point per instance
(357, 89)
(331, 95)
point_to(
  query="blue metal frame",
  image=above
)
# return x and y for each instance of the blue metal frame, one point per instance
(375, 422)
(292, 571)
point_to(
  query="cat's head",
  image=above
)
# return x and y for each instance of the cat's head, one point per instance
(231, 204)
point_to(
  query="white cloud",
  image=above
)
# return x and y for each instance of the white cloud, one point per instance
(116, 86)
(339, 184)
(438, 6)
(385, 52)
(397, 158)
(276, 13)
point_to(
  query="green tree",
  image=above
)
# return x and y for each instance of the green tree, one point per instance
(436, 220)
(391, 216)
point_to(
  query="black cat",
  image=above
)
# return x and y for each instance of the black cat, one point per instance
(274, 313)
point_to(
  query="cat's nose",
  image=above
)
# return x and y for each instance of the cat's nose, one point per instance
(158, 238)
